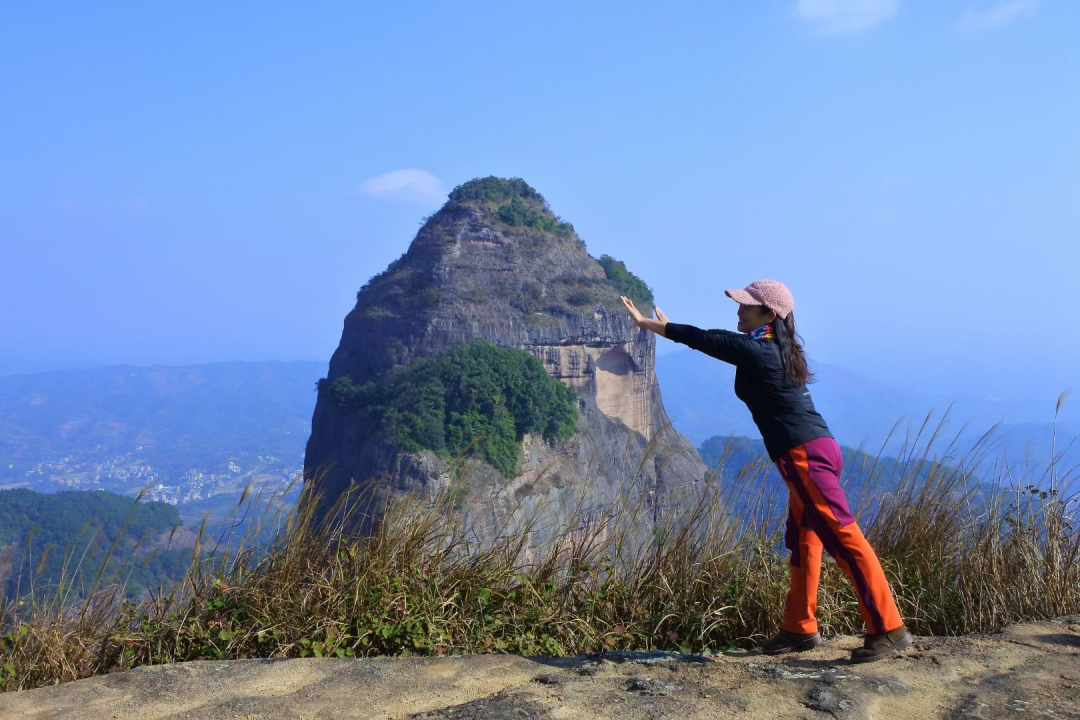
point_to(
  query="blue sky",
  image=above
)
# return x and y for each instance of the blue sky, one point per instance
(214, 181)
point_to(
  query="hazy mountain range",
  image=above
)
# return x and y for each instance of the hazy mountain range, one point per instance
(191, 432)
(197, 434)
(205, 430)
(861, 411)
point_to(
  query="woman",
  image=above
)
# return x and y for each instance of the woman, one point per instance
(770, 377)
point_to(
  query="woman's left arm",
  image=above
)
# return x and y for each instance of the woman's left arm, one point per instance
(726, 345)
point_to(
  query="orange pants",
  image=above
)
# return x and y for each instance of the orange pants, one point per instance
(818, 516)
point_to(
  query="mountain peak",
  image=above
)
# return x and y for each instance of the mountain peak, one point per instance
(496, 264)
(495, 251)
(506, 203)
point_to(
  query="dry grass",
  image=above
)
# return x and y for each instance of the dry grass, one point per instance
(959, 561)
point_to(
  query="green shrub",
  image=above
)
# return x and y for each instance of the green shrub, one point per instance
(516, 214)
(627, 283)
(389, 270)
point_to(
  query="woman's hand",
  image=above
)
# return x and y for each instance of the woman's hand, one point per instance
(635, 314)
(657, 326)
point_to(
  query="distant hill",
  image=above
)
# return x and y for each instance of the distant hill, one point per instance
(194, 430)
(40, 532)
(16, 366)
(860, 411)
(864, 476)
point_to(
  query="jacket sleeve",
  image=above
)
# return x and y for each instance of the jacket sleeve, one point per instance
(726, 345)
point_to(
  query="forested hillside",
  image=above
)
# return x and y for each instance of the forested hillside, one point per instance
(47, 537)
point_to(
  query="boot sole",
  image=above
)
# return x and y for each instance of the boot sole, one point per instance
(898, 645)
(807, 644)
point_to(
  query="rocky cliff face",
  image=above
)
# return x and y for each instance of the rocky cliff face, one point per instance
(495, 263)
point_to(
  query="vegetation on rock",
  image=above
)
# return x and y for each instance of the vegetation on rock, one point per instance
(628, 284)
(512, 202)
(478, 396)
(492, 189)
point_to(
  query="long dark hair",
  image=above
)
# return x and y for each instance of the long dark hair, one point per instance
(791, 351)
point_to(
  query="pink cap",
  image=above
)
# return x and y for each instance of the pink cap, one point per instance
(773, 294)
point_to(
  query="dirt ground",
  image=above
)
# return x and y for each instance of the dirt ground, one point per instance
(1029, 670)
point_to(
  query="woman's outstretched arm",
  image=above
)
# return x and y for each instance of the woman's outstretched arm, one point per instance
(726, 345)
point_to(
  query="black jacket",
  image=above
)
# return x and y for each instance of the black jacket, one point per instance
(783, 412)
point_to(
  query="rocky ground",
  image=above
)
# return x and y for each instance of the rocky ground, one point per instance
(1029, 670)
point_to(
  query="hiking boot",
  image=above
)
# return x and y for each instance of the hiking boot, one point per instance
(878, 645)
(785, 641)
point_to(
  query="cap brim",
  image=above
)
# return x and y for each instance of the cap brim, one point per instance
(742, 297)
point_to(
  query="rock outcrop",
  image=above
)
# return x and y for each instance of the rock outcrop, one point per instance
(1029, 670)
(495, 263)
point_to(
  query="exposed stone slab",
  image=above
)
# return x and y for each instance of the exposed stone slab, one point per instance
(1029, 670)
